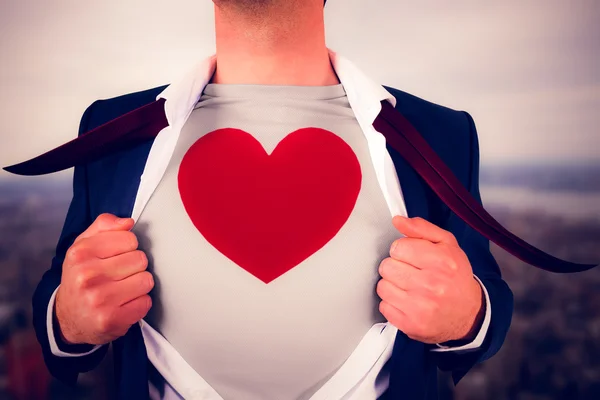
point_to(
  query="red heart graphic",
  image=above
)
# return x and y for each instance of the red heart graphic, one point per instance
(268, 213)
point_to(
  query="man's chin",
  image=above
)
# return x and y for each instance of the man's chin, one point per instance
(251, 4)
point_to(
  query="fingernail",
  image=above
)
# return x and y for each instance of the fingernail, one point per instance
(394, 246)
(122, 221)
(397, 217)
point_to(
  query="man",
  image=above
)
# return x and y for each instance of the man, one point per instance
(249, 250)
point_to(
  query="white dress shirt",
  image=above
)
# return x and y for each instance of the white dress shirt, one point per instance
(362, 376)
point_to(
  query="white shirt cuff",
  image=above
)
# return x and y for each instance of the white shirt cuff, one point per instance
(478, 341)
(49, 327)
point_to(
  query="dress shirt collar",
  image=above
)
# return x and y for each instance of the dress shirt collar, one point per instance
(364, 95)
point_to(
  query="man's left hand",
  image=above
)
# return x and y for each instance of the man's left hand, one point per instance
(428, 290)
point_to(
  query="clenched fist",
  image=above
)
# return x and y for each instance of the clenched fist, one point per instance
(428, 290)
(104, 285)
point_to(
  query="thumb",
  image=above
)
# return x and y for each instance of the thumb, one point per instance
(106, 222)
(420, 228)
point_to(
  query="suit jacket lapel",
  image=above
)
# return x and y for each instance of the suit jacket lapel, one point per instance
(116, 180)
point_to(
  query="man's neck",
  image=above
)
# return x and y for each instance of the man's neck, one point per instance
(273, 47)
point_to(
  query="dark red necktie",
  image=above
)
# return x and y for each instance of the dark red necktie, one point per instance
(146, 122)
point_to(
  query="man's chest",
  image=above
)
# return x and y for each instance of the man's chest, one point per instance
(217, 255)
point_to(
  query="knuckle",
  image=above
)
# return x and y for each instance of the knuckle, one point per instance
(450, 237)
(381, 290)
(143, 258)
(131, 239)
(103, 322)
(381, 267)
(437, 287)
(82, 278)
(146, 281)
(94, 299)
(104, 218)
(75, 253)
(453, 265)
(450, 253)
(71, 253)
(441, 290)
(397, 248)
(447, 258)
(385, 265)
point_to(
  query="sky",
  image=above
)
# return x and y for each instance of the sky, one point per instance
(527, 71)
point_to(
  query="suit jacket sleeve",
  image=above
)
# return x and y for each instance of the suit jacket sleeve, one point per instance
(487, 270)
(66, 369)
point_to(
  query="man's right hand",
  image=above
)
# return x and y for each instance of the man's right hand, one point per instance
(104, 286)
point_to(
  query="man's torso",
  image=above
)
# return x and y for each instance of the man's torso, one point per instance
(251, 339)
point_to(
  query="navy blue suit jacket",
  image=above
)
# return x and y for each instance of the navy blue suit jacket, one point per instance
(109, 185)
